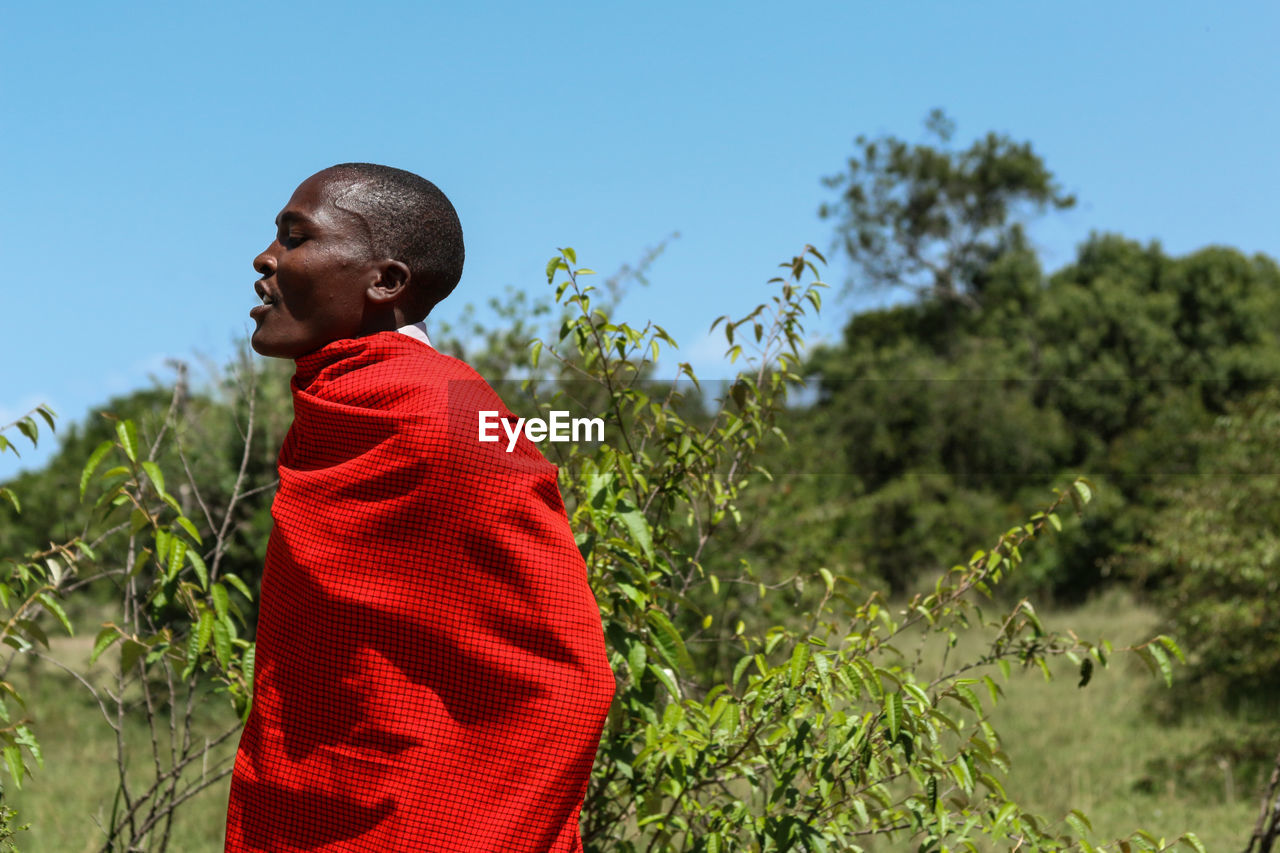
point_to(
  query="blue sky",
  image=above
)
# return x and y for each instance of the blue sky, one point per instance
(151, 145)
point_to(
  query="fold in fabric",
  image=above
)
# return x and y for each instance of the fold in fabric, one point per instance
(430, 666)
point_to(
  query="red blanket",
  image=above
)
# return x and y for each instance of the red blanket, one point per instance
(431, 672)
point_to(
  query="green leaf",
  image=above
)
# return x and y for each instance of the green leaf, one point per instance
(51, 604)
(193, 655)
(13, 759)
(28, 428)
(667, 678)
(1148, 838)
(186, 524)
(740, 668)
(27, 739)
(963, 773)
(636, 660)
(799, 659)
(198, 641)
(108, 635)
(992, 688)
(197, 564)
(570, 254)
(893, 713)
(246, 664)
(1083, 490)
(12, 498)
(177, 547)
(667, 639)
(969, 698)
(1193, 841)
(204, 629)
(48, 414)
(155, 474)
(1169, 644)
(1079, 823)
(95, 459)
(222, 643)
(638, 527)
(219, 593)
(1161, 658)
(240, 585)
(127, 432)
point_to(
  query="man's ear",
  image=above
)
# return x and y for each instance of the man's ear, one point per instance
(390, 285)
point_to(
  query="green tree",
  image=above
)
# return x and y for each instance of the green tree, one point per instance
(931, 219)
(941, 410)
(1212, 560)
(1213, 556)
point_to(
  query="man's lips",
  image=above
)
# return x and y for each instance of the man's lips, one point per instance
(268, 298)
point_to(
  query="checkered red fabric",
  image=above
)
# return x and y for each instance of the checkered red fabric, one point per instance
(431, 672)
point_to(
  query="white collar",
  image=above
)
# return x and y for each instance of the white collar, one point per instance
(416, 330)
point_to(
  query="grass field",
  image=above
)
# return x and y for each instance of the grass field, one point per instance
(1100, 749)
(66, 802)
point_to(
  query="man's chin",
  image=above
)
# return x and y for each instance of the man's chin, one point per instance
(263, 345)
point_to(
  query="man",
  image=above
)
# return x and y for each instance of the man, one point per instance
(430, 667)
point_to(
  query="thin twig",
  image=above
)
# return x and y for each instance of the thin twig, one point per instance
(1268, 826)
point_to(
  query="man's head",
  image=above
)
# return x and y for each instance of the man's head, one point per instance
(359, 249)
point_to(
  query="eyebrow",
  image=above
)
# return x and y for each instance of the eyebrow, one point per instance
(290, 216)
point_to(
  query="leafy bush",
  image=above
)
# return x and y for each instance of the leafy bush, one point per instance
(175, 628)
(820, 733)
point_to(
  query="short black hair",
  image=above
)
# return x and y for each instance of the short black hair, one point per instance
(409, 220)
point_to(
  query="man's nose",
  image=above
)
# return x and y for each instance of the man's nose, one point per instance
(265, 263)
